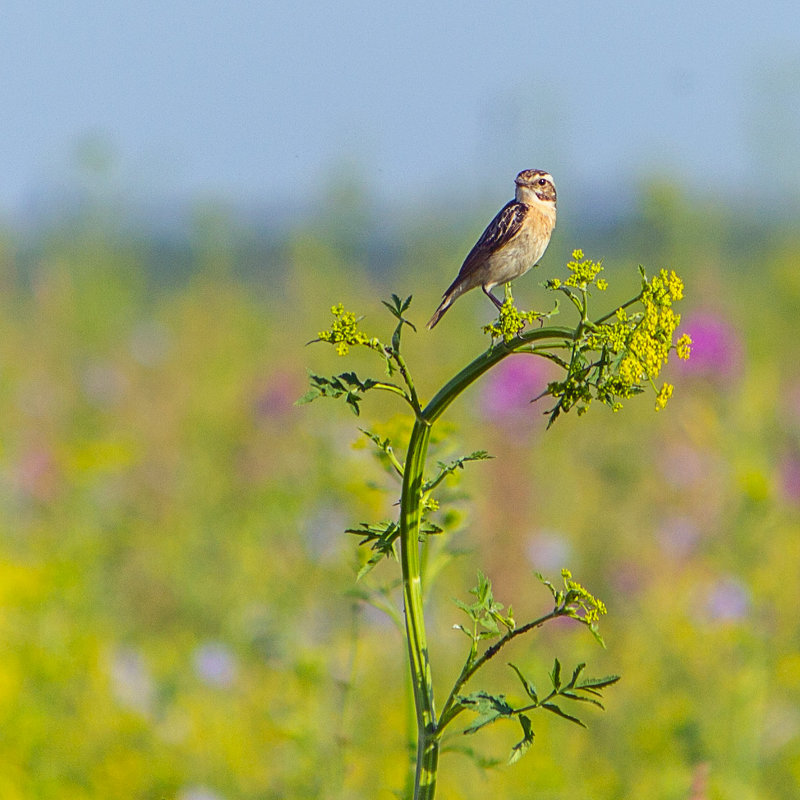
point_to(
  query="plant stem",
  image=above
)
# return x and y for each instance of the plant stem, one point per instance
(471, 667)
(422, 683)
(428, 729)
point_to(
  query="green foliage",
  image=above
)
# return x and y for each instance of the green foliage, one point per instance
(573, 601)
(645, 342)
(449, 468)
(347, 385)
(162, 500)
(485, 613)
(491, 708)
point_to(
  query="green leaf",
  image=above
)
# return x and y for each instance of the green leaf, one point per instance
(556, 710)
(483, 591)
(555, 675)
(593, 629)
(572, 696)
(466, 608)
(598, 683)
(380, 538)
(481, 761)
(557, 594)
(575, 674)
(446, 469)
(430, 529)
(488, 707)
(373, 561)
(385, 447)
(522, 747)
(490, 624)
(398, 306)
(530, 689)
(308, 397)
(347, 385)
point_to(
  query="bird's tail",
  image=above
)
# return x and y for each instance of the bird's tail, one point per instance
(454, 291)
(439, 313)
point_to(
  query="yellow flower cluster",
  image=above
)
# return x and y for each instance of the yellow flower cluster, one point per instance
(511, 320)
(650, 340)
(642, 341)
(584, 271)
(663, 396)
(344, 331)
(683, 347)
(593, 608)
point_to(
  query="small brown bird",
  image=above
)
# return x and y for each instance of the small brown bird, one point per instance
(513, 242)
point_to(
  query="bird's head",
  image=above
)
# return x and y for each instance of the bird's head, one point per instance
(535, 187)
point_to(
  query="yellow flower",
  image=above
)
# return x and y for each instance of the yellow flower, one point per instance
(684, 346)
(663, 396)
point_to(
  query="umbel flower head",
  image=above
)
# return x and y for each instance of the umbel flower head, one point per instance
(615, 358)
(344, 332)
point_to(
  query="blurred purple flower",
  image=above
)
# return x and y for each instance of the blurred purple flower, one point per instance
(548, 551)
(276, 396)
(790, 478)
(728, 600)
(510, 387)
(628, 577)
(684, 466)
(322, 532)
(215, 665)
(131, 683)
(791, 404)
(717, 350)
(37, 473)
(677, 536)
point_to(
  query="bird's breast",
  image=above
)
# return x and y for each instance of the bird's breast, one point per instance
(520, 254)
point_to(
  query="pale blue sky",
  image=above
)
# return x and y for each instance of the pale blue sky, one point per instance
(260, 102)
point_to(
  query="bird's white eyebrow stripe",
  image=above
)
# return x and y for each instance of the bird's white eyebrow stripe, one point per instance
(537, 174)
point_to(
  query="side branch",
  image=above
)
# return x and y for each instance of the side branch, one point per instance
(450, 711)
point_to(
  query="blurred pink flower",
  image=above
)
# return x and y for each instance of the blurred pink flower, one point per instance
(548, 551)
(717, 350)
(678, 536)
(37, 474)
(790, 478)
(628, 577)
(509, 388)
(791, 404)
(684, 466)
(727, 600)
(276, 396)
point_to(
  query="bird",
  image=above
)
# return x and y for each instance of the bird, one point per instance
(512, 243)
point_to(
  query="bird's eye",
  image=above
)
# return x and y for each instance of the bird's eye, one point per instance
(542, 181)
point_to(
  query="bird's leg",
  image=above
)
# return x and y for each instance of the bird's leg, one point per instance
(492, 297)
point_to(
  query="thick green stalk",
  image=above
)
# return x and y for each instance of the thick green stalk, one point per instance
(428, 731)
(422, 682)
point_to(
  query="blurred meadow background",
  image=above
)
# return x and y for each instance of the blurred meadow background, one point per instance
(187, 190)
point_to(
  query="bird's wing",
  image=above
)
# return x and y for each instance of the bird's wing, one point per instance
(499, 232)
